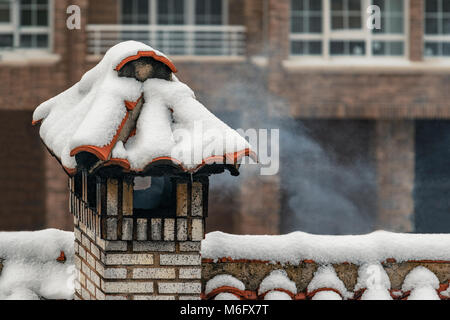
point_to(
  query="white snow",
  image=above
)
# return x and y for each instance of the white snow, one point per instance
(326, 277)
(30, 268)
(223, 280)
(422, 283)
(225, 296)
(90, 113)
(326, 295)
(358, 249)
(375, 280)
(277, 279)
(277, 295)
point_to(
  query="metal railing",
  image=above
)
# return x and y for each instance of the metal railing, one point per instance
(211, 40)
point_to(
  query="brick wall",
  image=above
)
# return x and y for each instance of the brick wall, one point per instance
(22, 186)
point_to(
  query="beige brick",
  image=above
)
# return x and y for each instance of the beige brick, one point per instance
(111, 229)
(197, 199)
(169, 229)
(156, 229)
(154, 273)
(141, 231)
(189, 297)
(90, 286)
(127, 229)
(182, 196)
(179, 287)
(115, 273)
(82, 253)
(90, 260)
(181, 229)
(129, 259)
(197, 229)
(77, 262)
(99, 294)
(153, 297)
(77, 234)
(95, 251)
(190, 246)
(115, 246)
(111, 196)
(85, 294)
(111, 297)
(95, 278)
(180, 259)
(190, 273)
(99, 267)
(159, 246)
(128, 287)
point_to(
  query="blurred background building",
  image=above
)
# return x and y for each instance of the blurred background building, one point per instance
(363, 114)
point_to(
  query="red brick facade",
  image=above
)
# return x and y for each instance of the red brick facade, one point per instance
(389, 96)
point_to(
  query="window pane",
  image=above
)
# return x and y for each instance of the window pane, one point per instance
(135, 12)
(446, 49)
(431, 49)
(25, 17)
(315, 5)
(297, 25)
(357, 48)
(315, 47)
(446, 6)
(42, 41)
(396, 48)
(306, 47)
(337, 5)
(26, 41)
(396, 5)
(431, 5)
(396, 25)
(315, 24)
(431, 26)
(337, 47)
(446, 26)
(378, 48)
(6, 40)
(5, 15)
(354, 5)
(42, 17)
(208, 12)
(337, 22)
(354, 22)
(298, 4)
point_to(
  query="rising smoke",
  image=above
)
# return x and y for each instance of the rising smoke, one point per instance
(320, 195)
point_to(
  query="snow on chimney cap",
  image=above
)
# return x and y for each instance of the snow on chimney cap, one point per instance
(107, 120)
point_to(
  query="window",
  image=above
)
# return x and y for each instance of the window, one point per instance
(208, 12)
(153, 196)
(337, 28)
(173, 13)
(135, 12)
(24, 24)
(437, 28)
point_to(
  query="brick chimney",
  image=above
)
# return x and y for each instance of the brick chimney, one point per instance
(124, 253)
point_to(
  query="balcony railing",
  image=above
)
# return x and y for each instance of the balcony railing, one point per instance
(211, 40)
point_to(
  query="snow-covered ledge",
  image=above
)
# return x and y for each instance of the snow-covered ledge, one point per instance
(373, 266)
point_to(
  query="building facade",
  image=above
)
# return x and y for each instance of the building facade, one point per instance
(363, 113)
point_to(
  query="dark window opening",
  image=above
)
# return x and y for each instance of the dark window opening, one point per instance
(432, 177)
(154, 196)
(92, 192)
(78, 185)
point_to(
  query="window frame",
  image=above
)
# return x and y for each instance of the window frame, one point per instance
(364, 34)
(189, 12)
(14, 28)
(437, 38)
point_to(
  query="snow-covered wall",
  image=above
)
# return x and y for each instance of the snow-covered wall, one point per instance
(33, 266)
